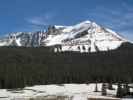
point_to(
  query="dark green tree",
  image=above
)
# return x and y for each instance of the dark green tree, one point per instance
(119, 91)
(104, 89)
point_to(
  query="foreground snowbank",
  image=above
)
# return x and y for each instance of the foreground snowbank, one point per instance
(58, 92)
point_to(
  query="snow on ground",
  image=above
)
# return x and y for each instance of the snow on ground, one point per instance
(69, 91)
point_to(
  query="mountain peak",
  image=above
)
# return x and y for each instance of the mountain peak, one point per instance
(86, 36)
(86, 22)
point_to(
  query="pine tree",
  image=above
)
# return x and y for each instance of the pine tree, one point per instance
(126, 89)
(110, 87)
(96, 88)
(119, 91)
(104, 91)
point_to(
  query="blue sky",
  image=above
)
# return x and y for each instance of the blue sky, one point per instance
(26, 15)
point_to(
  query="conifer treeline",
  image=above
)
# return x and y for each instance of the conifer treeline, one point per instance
(20, 66)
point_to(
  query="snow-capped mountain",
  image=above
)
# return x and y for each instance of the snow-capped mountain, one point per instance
(86, 36)
(26, 39)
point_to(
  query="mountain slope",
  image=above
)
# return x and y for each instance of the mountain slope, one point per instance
(84, 37)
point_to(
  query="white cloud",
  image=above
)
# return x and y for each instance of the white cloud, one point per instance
(39, 22)
(45, 19)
